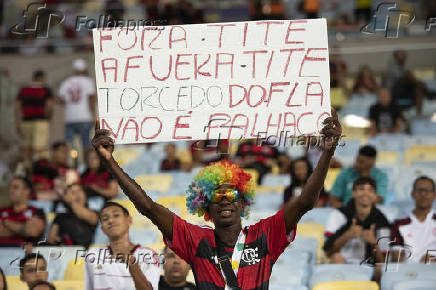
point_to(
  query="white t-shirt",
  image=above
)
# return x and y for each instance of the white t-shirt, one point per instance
(75, 91)
(416, 236)
(102, 272)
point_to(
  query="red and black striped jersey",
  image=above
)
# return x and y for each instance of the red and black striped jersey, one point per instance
(264, 243)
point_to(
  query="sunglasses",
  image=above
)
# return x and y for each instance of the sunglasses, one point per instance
(230, 194)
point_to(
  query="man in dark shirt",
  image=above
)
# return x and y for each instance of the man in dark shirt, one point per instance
(175, 272)
(77, 226)
(20, 222)
(385, 117)
(34, 108)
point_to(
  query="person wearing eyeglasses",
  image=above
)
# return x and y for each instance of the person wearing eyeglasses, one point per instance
(227, 256)
(414, 237)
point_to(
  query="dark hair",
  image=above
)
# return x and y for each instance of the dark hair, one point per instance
(368, 151)
(423, 177)
(52, 287)
(111, 203)
(58, 144)
(37, 74)
(26, 181)
(28, 257)
(294, 180)
(365, 180)
(5, 287)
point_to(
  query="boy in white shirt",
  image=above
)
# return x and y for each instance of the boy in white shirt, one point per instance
(416, 234)
(121, 265)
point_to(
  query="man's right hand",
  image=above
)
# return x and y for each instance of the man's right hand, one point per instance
(354, 231)
(102, 143)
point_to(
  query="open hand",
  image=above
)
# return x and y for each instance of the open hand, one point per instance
(102, 143)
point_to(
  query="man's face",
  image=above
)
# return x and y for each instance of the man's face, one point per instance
(18, 191)
(384, 97)
(363, 163)
(225, 213)
(114, 222)
(75, 193)
(33, 271)
(424, 194)
(364, 195)
(93, 160)
(175, 268)
(60, 155)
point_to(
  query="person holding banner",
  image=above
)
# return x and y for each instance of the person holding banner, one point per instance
(228, 256)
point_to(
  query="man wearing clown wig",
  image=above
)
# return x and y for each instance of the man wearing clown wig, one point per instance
(228, 256)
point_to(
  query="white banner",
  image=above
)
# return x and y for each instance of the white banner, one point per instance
(209, 81)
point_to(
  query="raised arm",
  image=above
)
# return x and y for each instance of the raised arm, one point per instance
(159, 215)
(294, 209)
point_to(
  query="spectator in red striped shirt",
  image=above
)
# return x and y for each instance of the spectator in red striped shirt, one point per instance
(96, 180)
(20, 222)
(33, 110)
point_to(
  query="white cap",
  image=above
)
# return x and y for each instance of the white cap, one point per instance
(79, 65)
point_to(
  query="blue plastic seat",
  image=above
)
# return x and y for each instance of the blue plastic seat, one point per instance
(276, 180)
(396, 273)
(415, 285)
(10, 260)
(319, 215)
(340, 272)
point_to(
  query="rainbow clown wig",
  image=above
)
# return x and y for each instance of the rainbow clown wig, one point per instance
(210, 178)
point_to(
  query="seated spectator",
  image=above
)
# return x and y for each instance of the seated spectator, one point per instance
(170, 162)
(43, 285)
(33, 268)
(123, 272)
(338, 69)
(3, 283)
(365, 82)
(175, 272)
(385, 117)
(77, 225)
(20, 222)
(45, 172)
(259, 157)
(409, 92)
(301, 170)
(353, 231)
(418, 230)
(96, 180)
(341, 194)
(284, 163)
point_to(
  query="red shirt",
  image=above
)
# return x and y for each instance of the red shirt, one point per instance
(8, 213)
(264, 243)
(33, 100)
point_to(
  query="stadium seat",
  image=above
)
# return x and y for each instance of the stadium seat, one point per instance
(391, 212)
(422, 127)
(69, 285)
(332, 173)
(389, 142)
(276, 180)
(155, 182)
(46, 206)
(347, 285)
(124, 156)
(312, 230)
(308, 245)
(58, 257)
(9, 260)
(176, 204)
(280, 285)
(396, 273)
(337, 97)
(296, 272)
(15, 283)
(388, 157)
(317, 215)
(424, 154)
(340, 272)
(347, 153)
(415, 285)
(75, 270)
(267, 201)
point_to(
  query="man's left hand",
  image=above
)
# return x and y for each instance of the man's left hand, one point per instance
(332, 131)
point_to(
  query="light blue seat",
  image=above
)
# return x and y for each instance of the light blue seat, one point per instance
(422, 127)
(144, 237)
(389, 142)
(99, 236)
(391, 212)
(10, 260)
(396, 273)
(276, 180)
(58, 257)
(271, 201)
(415, 285)
(319, 215)
(286, 286)
(392, 173)
(297, 274)
(347, 153)
(303, 244)
(340, 272)
(96, 202)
